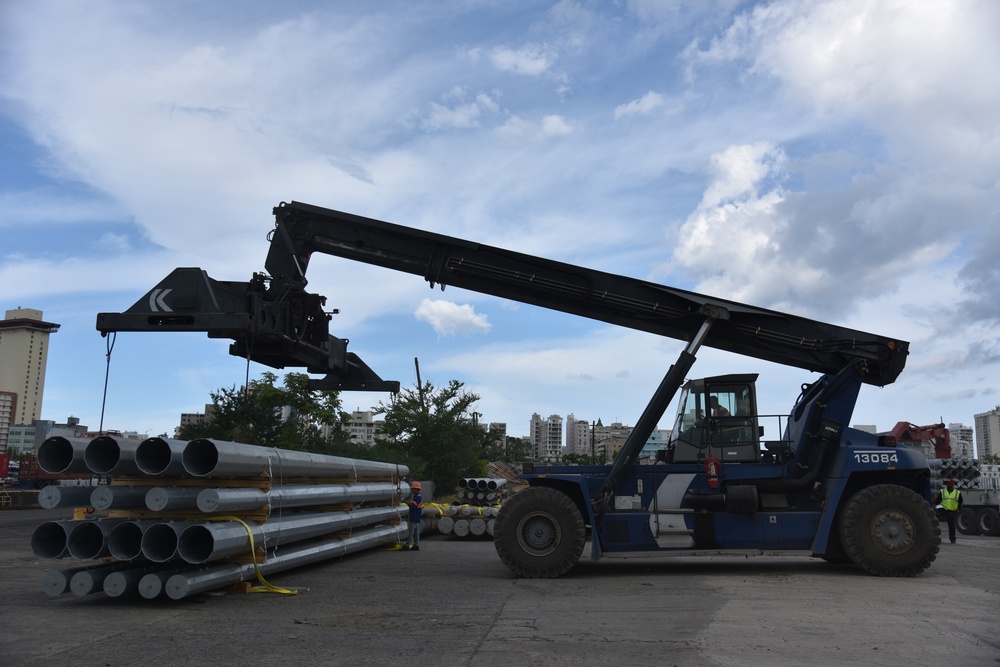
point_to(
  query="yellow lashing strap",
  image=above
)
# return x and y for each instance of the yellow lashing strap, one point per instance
(265, 587)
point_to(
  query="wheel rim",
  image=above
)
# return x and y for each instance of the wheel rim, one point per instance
(892, 531)
(538, 534)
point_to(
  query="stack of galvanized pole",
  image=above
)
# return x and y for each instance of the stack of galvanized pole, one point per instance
(965, 472)
(184, 518)
(482, 491)
(431, 515)
(473, 514)
(467, 520)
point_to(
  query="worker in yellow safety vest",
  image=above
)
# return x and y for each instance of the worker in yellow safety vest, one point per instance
(950, 500)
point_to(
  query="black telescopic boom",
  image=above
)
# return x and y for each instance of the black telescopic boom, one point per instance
(302, 229)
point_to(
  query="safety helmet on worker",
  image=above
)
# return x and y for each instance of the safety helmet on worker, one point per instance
(416, 485)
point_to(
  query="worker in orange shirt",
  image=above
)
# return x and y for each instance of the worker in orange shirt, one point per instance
(416, 503)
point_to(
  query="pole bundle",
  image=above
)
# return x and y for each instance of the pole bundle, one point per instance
(965, 472)
(177, 513)
(473, 514)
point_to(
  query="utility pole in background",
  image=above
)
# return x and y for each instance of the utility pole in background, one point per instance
(593, 432)
(420, 385)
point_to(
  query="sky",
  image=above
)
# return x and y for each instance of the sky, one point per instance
(836, 159)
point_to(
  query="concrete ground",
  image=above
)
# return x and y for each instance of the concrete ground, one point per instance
(455, 603)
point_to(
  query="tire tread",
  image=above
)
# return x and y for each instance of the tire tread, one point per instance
(525, 565)
(853, 532)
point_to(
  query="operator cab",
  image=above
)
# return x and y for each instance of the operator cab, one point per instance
(717, 416)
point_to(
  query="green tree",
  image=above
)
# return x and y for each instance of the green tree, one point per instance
(991, 459)
(516, 450)
(432, 432)
(257, 414)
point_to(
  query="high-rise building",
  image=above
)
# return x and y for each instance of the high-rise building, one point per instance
(192, 418)
(546, 438)
(499, 431)
(961, 439)
(609, 440)
(362, 427)
(24, 350)
(577, 435)
(988, 433)
(8, 405)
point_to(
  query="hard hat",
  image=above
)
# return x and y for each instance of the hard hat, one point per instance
(416, 485)
(950, 481)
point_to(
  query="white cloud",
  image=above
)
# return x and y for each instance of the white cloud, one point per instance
(751, 240)
(738, 171)
(731, 237)
(462, 113)
(530, 60)
(518, 129)
(868, 56)
(116, 243)
(24, 277)
(555, 126)
(921, 73)
(448, 318)
(51, 205)
(643, 106)
(877, 84)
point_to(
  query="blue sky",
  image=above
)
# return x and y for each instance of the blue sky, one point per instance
(835, 159)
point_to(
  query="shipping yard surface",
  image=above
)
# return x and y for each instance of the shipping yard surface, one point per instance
(455, 603)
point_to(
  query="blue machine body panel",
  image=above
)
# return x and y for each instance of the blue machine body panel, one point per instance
(766, 505)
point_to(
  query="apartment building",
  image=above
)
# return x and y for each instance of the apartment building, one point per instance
(191, 418)
(962, 441)
(24, 351)
(8, 406)
(546, 438)
(577, 435)
(988, 433)
(362, 427)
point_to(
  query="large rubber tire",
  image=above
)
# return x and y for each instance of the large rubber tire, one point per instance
(539, 533)
(988, 521)
(835, 554)
(967, 522)
(890, 531)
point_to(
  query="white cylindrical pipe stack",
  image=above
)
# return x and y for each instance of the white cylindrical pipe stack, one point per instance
(159, 499)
